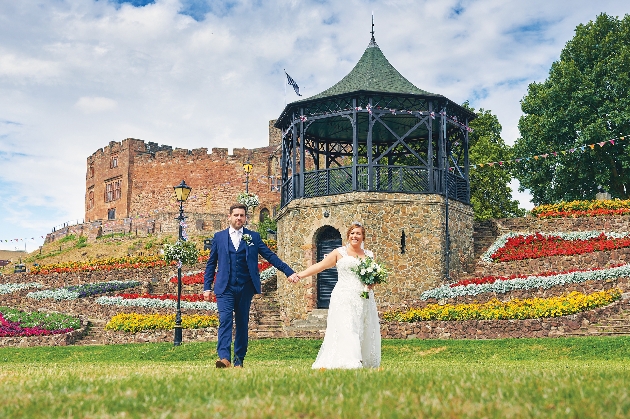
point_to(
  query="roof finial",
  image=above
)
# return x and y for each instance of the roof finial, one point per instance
(373, 40)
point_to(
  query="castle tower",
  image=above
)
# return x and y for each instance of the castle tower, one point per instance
(376, 149)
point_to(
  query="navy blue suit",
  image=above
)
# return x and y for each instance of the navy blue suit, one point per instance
(237, 280)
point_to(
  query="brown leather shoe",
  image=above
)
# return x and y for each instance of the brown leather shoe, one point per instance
(223, 363)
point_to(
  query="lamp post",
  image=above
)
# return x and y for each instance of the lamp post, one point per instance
(247, 167)
(181, 192)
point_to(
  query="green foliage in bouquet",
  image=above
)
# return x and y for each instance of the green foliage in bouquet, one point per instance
(370, 273)
(181, 251)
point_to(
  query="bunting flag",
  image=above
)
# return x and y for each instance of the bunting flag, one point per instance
(601, 144)
(21, 240)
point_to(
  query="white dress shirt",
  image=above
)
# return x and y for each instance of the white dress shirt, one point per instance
(236, 236)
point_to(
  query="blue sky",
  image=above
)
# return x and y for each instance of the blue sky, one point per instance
(77, 74)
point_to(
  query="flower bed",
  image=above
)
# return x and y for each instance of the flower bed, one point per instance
(268, 273)
(520, 246)
(197, 278)
(192, 302)
(583, 209)
(133, 322)
(529, 308)
(73, 292)
(184, 297)
(502, 285)
(100, 264)
(19, 323)
(9, 288)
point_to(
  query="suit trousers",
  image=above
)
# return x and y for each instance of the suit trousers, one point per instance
(233, 306)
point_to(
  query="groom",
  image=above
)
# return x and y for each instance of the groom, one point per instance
(236, 251)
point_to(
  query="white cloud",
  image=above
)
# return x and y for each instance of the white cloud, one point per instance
(95, 104)
(76, 74)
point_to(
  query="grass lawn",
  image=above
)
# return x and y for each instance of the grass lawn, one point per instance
(508, 378)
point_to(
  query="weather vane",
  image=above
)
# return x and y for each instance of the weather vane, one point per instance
(372, 26)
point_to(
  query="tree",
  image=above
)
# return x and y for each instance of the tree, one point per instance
(585, 100)
(490, 195)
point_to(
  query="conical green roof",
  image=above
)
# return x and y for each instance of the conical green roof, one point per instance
(373, 73)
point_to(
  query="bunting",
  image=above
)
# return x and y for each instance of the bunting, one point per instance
(22, 239)
(580, 149)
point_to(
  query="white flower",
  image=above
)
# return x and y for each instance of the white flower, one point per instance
(362, 271)
(9, 288)
(268, 273)
(247, 238)
(531, 282)
(155, 303)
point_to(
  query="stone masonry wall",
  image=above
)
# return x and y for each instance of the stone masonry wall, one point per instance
(216, 179)
(384, 216)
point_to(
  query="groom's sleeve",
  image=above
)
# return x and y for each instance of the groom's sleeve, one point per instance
(211, 266)
(272, 258)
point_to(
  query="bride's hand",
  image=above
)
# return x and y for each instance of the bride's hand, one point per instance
(370, 287)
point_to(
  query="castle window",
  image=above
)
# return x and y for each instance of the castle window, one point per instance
(117, 189)
(274, 182)
(91, 171)
(113, 190)
(111, 214)
(113, 162)
(90, 202)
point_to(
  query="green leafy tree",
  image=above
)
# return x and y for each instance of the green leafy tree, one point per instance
(490, 194)
(585, 100)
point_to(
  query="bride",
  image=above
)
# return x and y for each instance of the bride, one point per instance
(353, 337)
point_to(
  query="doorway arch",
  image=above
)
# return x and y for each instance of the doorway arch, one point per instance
(327, 240)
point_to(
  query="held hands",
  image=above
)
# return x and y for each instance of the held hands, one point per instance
(294, 278)
(206, 295)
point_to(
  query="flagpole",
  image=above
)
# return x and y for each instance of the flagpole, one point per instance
(285, 88)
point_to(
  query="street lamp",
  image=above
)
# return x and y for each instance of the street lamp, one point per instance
(181, 192)
(247, 167)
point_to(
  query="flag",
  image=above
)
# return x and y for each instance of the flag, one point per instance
(293, 84)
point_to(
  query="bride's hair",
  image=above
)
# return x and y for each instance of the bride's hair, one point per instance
(355, 224)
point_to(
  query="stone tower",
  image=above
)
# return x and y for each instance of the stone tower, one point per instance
(376, 149)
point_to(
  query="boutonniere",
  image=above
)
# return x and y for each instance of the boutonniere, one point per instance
(248, 239)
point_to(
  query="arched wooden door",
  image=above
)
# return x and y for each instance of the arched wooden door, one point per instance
(327, 240)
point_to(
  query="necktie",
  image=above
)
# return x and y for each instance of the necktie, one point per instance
(236, 238)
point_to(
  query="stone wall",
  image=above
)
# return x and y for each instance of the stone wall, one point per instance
(384, 216)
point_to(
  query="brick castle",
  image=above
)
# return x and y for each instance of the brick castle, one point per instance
(129, 187)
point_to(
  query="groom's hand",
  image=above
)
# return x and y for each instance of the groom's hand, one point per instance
(206, 295)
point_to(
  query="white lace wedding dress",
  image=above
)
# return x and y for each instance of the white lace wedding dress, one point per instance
(353, 335)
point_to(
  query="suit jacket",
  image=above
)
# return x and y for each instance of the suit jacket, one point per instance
(220, 255)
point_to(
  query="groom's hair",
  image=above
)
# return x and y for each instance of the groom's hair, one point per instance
(235, 206)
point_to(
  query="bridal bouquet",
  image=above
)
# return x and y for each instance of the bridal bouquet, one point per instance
(370, 273)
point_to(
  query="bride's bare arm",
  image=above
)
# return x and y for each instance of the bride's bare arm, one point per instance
(328, 262)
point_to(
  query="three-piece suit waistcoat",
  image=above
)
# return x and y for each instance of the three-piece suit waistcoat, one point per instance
(239, 272)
